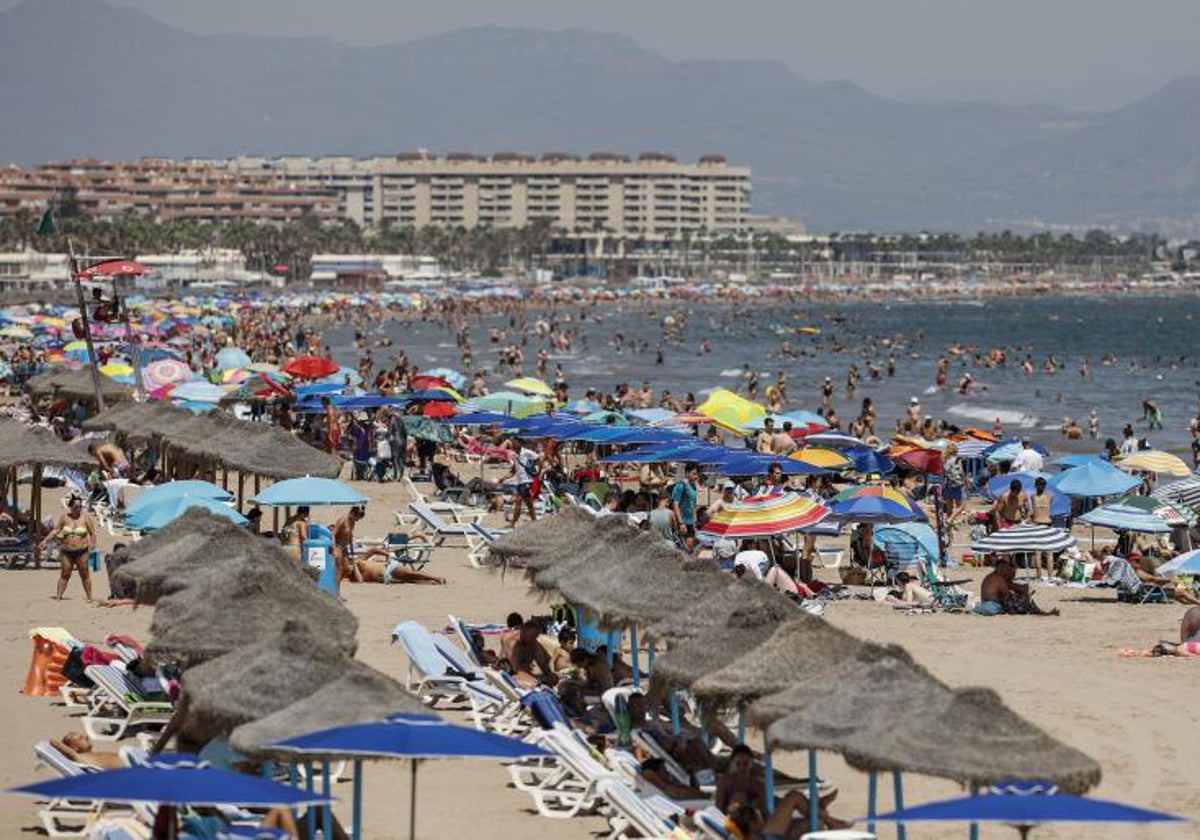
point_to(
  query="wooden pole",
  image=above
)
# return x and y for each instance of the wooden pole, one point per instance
(241, 489)
(87, 330)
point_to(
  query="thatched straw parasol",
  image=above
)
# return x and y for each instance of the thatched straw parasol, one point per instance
(973, 738)
(728, 595)
(76, 385)
(609, 547)
(190, 549)
(716, 644)
(224, 608)
(567, 531)
(261, 678)
(21, 444)
(801, 651)
(873, 687)
(251, 448)
(360, 695)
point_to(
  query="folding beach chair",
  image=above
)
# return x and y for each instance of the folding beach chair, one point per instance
(16, 552)
(946, 593)
(117, 705)
(1131, 589)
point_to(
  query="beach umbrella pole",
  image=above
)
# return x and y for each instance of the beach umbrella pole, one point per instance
(674, 703)
(872, 793)
(741, 728)
(974, 830)
(312, 814)
(814, 798)
(357, 806)
(898, 801)
(412, 811)
(327, 824)
(633, 646)
(769, 772)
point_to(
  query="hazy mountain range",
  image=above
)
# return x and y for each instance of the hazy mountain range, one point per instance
(79, 78)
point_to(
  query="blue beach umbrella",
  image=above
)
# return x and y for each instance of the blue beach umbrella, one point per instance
(1069, 461)
(1007, 450)
(411, 736)
(1093, 479)
(232, 358)
(153, 496)
(868, 461)
(1187, 563)
(174, 786)
(1060, 505)
(197, 390)
(155, 516)
(1120, 517)
(308, 490)
(917, 534)
(1025, 810)
(481, 418)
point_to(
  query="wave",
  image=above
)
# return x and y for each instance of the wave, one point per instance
(1007, 417)
(732, 373)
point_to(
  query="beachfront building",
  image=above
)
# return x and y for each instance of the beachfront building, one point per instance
(602, 199)
(163, 190)
(652, 197)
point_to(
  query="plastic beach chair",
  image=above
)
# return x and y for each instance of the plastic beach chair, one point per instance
(65, 817)
(118, 705)
(439, 671)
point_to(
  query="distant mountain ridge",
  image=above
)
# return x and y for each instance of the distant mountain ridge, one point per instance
(80, 78)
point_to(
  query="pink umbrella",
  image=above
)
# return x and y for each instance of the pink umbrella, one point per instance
(165, 372)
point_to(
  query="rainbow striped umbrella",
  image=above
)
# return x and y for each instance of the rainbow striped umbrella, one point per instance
(766, 516)
(165, 372)
(874, 503)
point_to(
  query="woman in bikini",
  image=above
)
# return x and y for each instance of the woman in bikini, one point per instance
(77, 537)
(295, 531)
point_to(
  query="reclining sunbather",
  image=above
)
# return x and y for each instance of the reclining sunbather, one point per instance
(741, 793)
(1189, 639)
(369, 570)
(78, 747)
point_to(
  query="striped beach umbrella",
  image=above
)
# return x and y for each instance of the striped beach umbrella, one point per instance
(1121, 517)
(1185, 492)
(1156, 461)
(765, 516)
(530, 385)
(165, 372)
(1024, 538)
(874, 503)
(1172, 513)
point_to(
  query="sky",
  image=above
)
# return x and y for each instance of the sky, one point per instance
(1075, 53)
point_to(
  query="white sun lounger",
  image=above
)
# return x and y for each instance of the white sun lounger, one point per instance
(66, 817)
(118, 704)
(439, 671)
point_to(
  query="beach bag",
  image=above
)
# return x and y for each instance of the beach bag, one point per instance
(72, 669)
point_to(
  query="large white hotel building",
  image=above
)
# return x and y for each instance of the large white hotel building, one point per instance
(652, 197)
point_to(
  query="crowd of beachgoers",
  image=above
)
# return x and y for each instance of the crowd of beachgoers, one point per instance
(813, 508)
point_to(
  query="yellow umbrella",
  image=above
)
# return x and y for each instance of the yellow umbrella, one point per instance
(822, 458)
(116, 369)
(731, 408)
(530, 385)
(1157, 461)
(15, 331)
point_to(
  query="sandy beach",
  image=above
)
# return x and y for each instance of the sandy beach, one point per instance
(1063, 674)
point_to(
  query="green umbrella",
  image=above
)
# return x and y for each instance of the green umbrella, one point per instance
(422, 428)
(508, 402)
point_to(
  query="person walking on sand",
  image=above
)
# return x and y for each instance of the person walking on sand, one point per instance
(77, 538)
